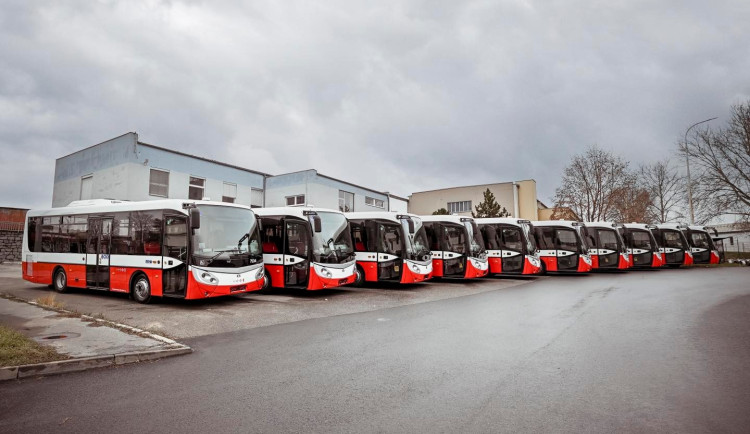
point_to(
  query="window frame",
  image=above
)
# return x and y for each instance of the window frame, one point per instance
(296, 199)
(225, 198)
(456, 207)
(191, 186)
(151, 183)
(373, 202)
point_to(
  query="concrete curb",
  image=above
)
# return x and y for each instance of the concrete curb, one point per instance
(173, 348)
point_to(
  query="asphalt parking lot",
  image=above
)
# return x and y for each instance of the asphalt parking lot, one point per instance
(181, 319)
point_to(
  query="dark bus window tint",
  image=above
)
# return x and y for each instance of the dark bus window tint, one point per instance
(640, 240)
(607, 239)
(272, 237)
(546, 238)
(672, 239)
(50, 234)
(455, 239)
(358, 235)
(122, 243)
(700, 239)
(391, 239)
(146, 232)
(491, 239)
(512, 239)
(432, 235)
(298, 238)
(567, 240)
(31, 235)
(74, 228)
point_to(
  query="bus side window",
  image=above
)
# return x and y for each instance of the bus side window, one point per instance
(272, 236)
(358, 236)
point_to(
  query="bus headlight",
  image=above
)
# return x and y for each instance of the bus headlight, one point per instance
(327, 274)
(414, 268)
(208, 278)
(586, 259)
(259, 274)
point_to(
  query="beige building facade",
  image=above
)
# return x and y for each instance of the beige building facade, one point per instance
(518, 197)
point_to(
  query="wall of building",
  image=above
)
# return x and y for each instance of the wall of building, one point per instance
(319, 190)
(397, 204)
(120, 169)
(425, 203)
(10, 246)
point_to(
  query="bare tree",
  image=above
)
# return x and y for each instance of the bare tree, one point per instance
(632, 204)
(666, 188)
(593, 183)
(721, 159)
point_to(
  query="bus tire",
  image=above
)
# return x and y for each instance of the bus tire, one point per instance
(359, 276)
(60, 281)
(140, 289)
(266, 281)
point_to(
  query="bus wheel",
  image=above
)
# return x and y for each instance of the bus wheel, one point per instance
(266, 281)
(141, 289)
(60, 281)
(359, 276)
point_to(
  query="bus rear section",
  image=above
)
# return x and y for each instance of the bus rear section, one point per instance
(162, 248)
(306, 248)
(511, 248)
(457, 247)
(390, 247)
(607, 247)
(673, 245)
(701, 245)
(643, 248)
(561, 247)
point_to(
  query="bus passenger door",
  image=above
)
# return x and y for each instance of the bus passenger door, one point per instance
(512, 250)
(566, 244)
(390, 251)
(174, 259)
(296, 253)
(97, 252)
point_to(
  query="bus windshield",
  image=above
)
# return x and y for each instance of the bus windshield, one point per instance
(673, 239)
(228, 238)
(333, 244)
(700, 239)
(476, 243)
(417, 245)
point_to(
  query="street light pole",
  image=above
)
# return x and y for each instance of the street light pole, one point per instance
(687, 164)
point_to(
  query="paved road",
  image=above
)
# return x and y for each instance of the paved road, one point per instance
(645, 351)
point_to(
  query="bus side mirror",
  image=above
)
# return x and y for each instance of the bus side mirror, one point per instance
(317, 227)
(411, 226)
(195, 218)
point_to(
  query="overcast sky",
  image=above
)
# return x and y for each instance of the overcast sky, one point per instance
(400, 96)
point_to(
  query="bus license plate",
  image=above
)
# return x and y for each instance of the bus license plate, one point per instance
(343, 281)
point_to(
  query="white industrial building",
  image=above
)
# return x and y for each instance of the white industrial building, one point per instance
(127, 169)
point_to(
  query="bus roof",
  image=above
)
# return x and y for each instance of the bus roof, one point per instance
(608, 225)
(644, 226)
(445, 218)
(383, 215)
(296, 211)
(99, 206)
(505, 220)
(563, 223)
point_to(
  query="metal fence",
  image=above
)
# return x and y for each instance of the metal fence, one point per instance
(11, 226)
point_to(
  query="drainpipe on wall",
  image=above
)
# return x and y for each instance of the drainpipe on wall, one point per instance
(515, 200)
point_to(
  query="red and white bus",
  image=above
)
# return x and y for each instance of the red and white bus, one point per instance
(701, 244)
(643, 248)
(673, 245)
(160, 248)
(606, 246)
(562, 249)
(307, 248)
(511, 247)
(390, 247)
(457, 247)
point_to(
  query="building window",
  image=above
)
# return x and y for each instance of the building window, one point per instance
(230, 192)
(158, 184)
(378, 203)
(457, 207)
(346, 201)
(256, 198)
(87, 187)
(197, 185)
(295, 200)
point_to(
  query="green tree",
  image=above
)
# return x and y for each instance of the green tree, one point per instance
(441, 211)
(489, 207)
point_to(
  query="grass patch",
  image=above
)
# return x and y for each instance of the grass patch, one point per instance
(49, 301)
(16, 349)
